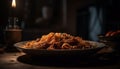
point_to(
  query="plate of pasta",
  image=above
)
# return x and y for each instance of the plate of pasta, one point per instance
(59, 44)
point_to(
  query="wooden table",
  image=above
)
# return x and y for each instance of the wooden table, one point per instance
(18, 60)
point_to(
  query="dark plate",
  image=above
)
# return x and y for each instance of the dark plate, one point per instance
(112, 41)
(70, 52)
(115, 38)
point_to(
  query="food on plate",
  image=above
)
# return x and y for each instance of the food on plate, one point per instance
(112, 33)
(108, 33)
(53, 41)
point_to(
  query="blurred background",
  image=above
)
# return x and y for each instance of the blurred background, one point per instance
(84, 18)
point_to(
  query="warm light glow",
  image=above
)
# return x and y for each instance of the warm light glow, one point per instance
(13, 3)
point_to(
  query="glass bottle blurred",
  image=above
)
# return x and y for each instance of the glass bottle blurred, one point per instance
(9, 26)
(12, 23)
(22, 24)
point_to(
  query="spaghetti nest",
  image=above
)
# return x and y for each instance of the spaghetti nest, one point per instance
(53, 41)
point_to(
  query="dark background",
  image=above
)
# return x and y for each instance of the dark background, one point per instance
(29, 10)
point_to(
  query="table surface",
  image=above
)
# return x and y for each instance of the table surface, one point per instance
(18, 60)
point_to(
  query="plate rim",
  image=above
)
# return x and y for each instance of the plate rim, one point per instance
(102, 45)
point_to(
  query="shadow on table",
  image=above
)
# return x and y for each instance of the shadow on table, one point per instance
(67, 61)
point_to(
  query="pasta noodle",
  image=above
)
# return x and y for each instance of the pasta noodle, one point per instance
(53, 41)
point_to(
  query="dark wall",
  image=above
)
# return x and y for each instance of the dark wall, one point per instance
(3, 16)
(113, 16)
(3, 12)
